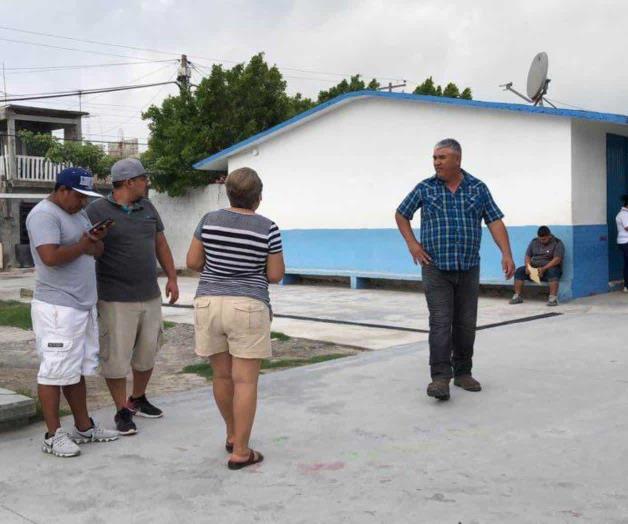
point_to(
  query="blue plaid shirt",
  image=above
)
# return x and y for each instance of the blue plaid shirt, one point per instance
(451, 223)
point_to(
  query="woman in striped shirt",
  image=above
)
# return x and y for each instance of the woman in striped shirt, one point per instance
(238, 252)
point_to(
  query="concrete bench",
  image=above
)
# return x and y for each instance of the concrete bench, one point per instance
(356, 280)
(360, 280)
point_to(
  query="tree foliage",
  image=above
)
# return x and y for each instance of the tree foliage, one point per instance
(228, 106)
(451, 90)
(355, 83)
(80, 154)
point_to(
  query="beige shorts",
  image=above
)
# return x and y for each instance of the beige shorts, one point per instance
(131, 333)
(239, 325)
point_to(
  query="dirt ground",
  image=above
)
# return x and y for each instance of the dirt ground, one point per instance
(19, 363)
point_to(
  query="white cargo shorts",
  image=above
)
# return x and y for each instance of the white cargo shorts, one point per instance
(67, 343)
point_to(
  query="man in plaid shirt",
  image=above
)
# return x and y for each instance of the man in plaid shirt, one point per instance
(453, 204)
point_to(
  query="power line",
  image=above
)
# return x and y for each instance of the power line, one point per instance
(566, 104)
(63, 94)
(143, 107)
(111, 44)
(46, 69)
(83, 140)
(137, 79)
(70, 48)
(210, 59)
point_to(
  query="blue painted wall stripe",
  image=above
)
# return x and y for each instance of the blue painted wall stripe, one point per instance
(383, 253)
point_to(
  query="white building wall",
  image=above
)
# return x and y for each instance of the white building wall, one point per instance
(589, 170)
(352, 167)
(181, 215)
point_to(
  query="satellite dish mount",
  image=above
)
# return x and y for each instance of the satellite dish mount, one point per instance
(537, 82)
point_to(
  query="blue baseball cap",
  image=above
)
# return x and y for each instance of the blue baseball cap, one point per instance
(78, 179)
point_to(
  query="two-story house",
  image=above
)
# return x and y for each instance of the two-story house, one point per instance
(26, 178)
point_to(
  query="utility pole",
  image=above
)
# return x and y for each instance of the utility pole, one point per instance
(184, 74)
(4, 80)
(390, 86)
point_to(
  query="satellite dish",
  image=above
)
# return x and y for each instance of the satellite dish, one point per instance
(537, 77)
(537, 82)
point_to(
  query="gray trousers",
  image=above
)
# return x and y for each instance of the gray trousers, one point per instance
(452, 300)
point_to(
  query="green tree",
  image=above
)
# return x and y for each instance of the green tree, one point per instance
(451, 90)
(355, 83)
(228, 106)
(81, 154)
(426, 88)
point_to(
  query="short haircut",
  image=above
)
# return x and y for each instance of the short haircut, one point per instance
(449, 143)
(244, 188)
(625, 200)
(543, 231)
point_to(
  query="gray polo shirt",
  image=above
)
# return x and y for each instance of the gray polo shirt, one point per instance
(542, 254)
(72, 284)
(127, 270)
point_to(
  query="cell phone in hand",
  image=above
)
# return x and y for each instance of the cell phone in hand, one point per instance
(101, 225)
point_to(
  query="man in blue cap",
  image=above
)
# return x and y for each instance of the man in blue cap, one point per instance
(129, 298)
(64, 246)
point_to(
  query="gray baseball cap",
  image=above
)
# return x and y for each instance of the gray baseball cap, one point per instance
(126, 169)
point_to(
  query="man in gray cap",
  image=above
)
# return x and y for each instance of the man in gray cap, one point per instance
(129, 298)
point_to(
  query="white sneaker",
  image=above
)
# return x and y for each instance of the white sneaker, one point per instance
(626, 290)
(94, 434)
(60, 445)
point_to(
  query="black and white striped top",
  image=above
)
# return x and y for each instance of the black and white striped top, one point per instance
(236, 250)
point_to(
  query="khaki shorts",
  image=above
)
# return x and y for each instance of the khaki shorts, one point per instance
(131, 333)
(239, 325)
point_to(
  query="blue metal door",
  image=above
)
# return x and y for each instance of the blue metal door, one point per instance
(616, 186)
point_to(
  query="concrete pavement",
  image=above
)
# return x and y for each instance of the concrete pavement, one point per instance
(357, 440)
(372, 306)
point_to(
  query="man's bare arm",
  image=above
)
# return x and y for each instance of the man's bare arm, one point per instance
(164, 255)
(500, 236)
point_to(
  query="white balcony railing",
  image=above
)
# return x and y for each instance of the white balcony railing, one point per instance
(36, 169)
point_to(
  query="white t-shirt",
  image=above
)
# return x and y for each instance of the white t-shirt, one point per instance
(622, 223)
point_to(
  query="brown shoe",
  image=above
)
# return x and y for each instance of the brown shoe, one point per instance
(468, 383)
(439, 388)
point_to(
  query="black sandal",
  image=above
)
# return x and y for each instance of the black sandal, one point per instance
(252, 460)
(229, 446)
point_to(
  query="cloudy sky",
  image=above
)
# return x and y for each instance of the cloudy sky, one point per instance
(479, 44)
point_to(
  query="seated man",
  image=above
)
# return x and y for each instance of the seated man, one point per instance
(545, 253)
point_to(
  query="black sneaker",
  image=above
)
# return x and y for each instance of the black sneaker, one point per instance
(142, 407)
(124, 422)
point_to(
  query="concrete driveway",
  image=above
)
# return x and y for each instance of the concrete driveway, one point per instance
(357, 440)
